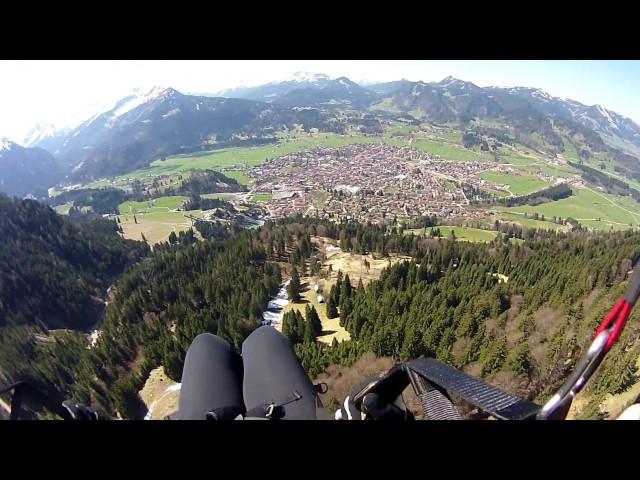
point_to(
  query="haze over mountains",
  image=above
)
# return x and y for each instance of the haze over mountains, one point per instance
(154, 123)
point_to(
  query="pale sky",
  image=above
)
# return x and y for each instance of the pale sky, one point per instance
(67, 92)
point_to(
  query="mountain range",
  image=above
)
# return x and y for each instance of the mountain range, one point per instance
(26, 171)
(158, 122)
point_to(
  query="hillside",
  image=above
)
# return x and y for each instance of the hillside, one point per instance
(527, 110)
(164, 122)
(25, 171)
(55, 270)
(444, 302)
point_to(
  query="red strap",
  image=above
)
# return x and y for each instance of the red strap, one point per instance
(620, 314)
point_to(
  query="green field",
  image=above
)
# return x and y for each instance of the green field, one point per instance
(518, 184)
(530, 222)
(262, 197)
(161, 217)
(570, 152)
(448, 151)
(497, 193)
(515, 160)
(64, 208)
(155, 226)
(454, 137)
(587, 206)
(560, 172)
(400, 129)
(385, 105)
(466, 234)
(240, 177)
(449, 185)
(162, 204)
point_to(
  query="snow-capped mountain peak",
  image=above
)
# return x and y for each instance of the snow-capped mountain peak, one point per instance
(450, 81)
(6, 144)
(604, 112)
(343, 81)
(39, 132)
(137, 97)
(308, 77)
(541, 94)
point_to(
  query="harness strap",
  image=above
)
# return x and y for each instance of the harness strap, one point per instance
(492, 400)
(436, 404)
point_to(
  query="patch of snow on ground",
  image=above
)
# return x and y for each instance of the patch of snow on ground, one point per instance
(273, 315)
(606, 115)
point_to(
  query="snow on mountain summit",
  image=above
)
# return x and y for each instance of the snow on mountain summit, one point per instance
(137, 98)
(40, 132)
(308, 77)
(5, 144)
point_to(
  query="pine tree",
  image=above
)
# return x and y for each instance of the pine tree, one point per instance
(293, 290)
(332, 310)
(300, 326)
(519, 360)
(346, 289)
(309, 333)
(314, 320)
(494, 355)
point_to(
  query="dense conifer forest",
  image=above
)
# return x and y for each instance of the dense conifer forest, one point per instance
(516, 313)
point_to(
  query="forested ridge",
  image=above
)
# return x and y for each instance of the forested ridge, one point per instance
(518, 314)
(525, 334)
(52, 266)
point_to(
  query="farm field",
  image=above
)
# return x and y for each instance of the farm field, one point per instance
(515, 160)
(587, 206)
(449, 151)
(64, 208)
(155, 226)
(466, 234)
(239, 176)
(518, 184)
(530, 222)
(162, 204)
(262, 197)
(560, 172)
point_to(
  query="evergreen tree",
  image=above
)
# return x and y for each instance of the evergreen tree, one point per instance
(293, 289)
(332, 310)
(314, 320)
(519, 360)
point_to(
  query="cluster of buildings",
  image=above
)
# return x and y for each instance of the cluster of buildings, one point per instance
(365, 182)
